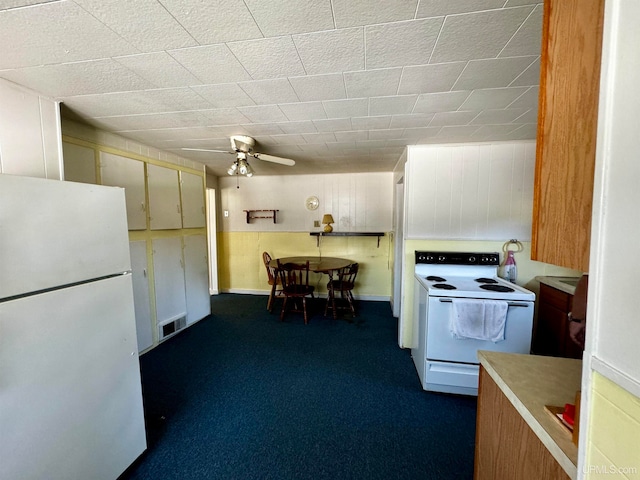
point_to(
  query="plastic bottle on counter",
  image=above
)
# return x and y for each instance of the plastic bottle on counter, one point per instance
(510, 269)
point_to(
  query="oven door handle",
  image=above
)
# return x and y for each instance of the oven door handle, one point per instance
(511, 304)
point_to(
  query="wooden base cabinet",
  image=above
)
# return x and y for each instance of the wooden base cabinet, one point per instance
(506, 447)
(551, 335)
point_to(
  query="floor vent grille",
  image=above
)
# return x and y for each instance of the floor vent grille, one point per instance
(170, 328)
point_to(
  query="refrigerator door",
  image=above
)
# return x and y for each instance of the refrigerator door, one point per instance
(70, 392)
(57, 233)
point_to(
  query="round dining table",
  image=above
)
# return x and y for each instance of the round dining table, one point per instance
(316, 264)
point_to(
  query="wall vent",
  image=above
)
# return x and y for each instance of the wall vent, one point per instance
(170, 328)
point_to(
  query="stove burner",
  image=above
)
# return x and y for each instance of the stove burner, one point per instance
(433, 278)
(444, 286)
(497, 288)
(486, 280)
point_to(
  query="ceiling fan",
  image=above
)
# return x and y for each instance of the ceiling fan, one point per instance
(242, 147)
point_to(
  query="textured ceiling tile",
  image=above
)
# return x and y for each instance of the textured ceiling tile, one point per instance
(223, 116)
(391, 133)
(331, 51)
(211, 64)
(430, 78)
(263, 129)
(356, 107)
(263, 114)
(518, 3)
(287, 139)
(268, 57)
(81, 78)
(492, 98)
(7, 4)
(529, 99)
(305, 126)
(159, 68)
(465, 37)
(303, 111)
(392, 105)
(138, 102)
(524, 132)
(452, 118)
(402, 43)
(436, 8)
(496, 117)
(351, 13)
(326, 137)
(370, 123)
(214, 22)
(421, 132)
(531, 116)
(453, 133)
(333, 124)
(351, 136)
(269, 92)
(440, 102)
(282, 17)
(487, 132)
(492, 73)
(157, 120)
(223, 95)
(526, 41)
(146, 24)
(530, 77)
(319, 87)
(372, 83)
(411, 121)
(30, 38)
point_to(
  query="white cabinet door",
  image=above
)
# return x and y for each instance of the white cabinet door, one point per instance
(164, 198)
(192, 200)
(124, 172)
(196, 277)
(168, 274)
(141, 297)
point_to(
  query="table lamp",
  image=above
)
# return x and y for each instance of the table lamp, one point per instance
(328, 219)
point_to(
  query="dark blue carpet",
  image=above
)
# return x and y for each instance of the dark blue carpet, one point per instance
(241, 395)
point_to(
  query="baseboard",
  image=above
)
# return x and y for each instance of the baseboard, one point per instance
(373, 298)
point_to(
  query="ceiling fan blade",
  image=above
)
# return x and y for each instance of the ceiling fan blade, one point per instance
(274, 159)
(206, 150)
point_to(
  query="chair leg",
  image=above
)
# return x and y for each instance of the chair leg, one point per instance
(350, 299)
(271, 295)
(329, 297)
(304, 310)
(284, 306)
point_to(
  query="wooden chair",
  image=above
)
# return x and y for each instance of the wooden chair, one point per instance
(344, 284)
(274, 281)
(295, 285)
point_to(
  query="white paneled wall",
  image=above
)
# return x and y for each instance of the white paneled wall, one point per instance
(358, 202)
(30, 138)
(470, 191)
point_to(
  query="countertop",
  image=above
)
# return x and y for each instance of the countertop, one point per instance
(532, 381)
(558, 282)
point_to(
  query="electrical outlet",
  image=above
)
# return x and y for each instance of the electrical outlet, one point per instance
(226, 213)
(316, 223)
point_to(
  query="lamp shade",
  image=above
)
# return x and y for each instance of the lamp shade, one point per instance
(327, 218)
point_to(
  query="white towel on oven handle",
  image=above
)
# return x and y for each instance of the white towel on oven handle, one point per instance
(479, 319)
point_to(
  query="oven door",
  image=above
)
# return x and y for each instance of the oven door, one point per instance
(443, 346)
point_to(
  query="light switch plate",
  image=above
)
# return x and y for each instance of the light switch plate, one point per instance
(316, 223)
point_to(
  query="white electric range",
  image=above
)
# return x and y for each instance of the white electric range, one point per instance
(445, 362)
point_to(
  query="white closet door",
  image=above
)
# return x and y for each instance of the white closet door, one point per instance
(192, 200)
(168, 274)
(164, 198)
(141, 298)
(196, 277)
(124, 172)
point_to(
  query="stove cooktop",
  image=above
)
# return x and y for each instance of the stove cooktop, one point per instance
(468, 287)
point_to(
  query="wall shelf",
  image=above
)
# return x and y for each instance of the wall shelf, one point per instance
(346, 234)
(251, 214)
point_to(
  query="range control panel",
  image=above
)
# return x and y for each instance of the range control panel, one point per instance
(458, 258)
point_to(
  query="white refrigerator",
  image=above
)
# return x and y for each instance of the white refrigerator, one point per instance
(70, 391)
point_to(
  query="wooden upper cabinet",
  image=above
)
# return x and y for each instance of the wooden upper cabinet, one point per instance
(566, 138)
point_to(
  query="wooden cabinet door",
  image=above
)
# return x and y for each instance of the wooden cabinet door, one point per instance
(124, 172)
(164, 198)
(567, 119)
(192, 192)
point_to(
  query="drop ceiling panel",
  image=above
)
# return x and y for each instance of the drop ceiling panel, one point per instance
(465, 36)
(342, 84)
(402, 43)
